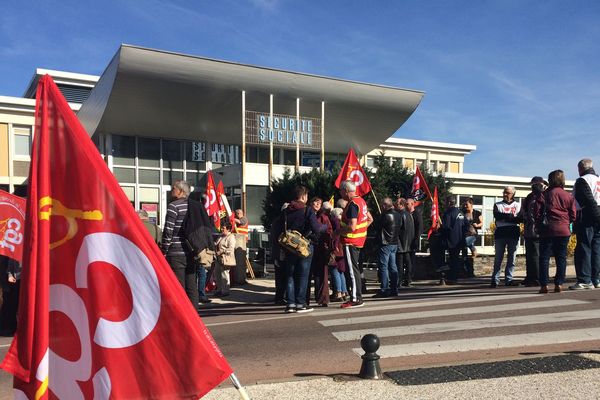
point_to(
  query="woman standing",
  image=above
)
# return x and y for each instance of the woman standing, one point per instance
(225, 249)
(559, 212)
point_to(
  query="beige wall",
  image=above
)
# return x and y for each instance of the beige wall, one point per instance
(3, 150)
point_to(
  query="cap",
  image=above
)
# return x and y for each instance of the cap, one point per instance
(538, 179)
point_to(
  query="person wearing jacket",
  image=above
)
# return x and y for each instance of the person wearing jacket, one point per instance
(587, 227)
(454, 228)
(387, 228)
(531, 213)
(506, 236)
(297, 216)
(406, 235)
(225, 249)
(559, 207)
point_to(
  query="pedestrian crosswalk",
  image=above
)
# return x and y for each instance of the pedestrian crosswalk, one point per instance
(472, 322)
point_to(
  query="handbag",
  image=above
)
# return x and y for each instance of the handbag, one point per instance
(205, 257)
(293, 241)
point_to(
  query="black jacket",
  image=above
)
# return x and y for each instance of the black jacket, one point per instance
(407, 231)
(454, 228)
(589, 215)
(418, 220)
(388, 227)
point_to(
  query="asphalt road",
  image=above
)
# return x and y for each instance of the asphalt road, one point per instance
(427, 325)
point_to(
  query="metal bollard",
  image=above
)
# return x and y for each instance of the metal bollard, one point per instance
(370, 368)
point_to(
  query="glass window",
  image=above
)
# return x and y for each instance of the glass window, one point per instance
(194, 178)
(277, 156)
(453, 167)
(22, 145)
(442, 166)
(251, 154)
(263, 155)
(255, 196)
(171, 176)
(310, 159)
(124, 175)
(172, 154)
(149, 176)
(123, 150)
(409, 164)
(20, 168)
(370, 162)
(148, 152)
(289, 157)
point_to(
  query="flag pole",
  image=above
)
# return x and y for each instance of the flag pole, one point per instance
(236, 383)
(376, 202)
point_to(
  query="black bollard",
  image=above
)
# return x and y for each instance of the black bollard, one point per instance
(370, 368)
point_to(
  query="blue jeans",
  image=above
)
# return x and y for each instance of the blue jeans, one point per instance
(470, 242)
(338, 279)
(587, 255)
(201, 276)
(297, 271)
(500, 244)
(387, 269)
(558, 246)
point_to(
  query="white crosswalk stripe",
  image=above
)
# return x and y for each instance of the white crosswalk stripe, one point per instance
(485, 343)
(447, 312)
(467, 325)
(370, 307)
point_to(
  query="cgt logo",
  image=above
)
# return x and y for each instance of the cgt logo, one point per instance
(11, 236)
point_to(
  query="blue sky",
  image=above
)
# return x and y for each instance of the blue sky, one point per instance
(518, 79)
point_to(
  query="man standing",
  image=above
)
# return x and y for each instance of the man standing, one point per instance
(388, 225)
(587, 227)
(180, 260)
(355, 221)
(241, 223)
(531, 211)
(406, 236)
(506, 236)
(415, 245)
(454, 227)
(152, 228)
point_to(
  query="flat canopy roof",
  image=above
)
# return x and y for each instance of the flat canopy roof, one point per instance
(156, 93)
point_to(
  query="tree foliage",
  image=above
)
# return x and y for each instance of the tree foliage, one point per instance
(387, 181)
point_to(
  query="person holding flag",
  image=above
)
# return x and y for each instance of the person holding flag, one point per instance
(419, 191)
(211, 202)
(352, 171)
(356, 218)
(89, 258)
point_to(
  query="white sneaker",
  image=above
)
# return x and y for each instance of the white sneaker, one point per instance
(597, 285)
(581, 286)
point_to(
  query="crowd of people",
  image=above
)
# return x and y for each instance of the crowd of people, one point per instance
(549, 216)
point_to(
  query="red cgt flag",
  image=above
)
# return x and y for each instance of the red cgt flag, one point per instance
(435, 213)
(222, 213)
(12, 222)
(211, 204)
(101, 314)
(420, 192)
(354, 172)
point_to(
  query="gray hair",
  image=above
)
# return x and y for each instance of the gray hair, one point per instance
(143, 214)
(183, 186)
(585, 163)
(511, 188)
(387, 203)
(341, 203)
(348, 186)
(337, 212)
(326, 205)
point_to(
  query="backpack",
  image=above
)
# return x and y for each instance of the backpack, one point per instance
(293, 241)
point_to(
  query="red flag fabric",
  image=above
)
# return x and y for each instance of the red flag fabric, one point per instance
(222, 213)
(420, 192)
(101, 314)
(435, 213)
(12, 224)
(353, 171)
(211, 204)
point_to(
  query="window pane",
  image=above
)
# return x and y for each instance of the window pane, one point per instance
(20, 168)
(289, 157)
(263, 155)
(194, 178)
(125, 175)
(123, 150)
(22, 145)
(171, 176)
(172, 157)
(149, 176)
(370, 162)
(149, 152)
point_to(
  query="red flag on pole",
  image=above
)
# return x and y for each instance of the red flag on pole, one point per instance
(101, 314)
(435, 213)
(420, 192)
(12, 224)
(222, 213)
(211, 204)
(353, 171)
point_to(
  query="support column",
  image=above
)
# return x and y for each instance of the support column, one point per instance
(297, 135)
(271, 143)
(244, 151)
(322, 164)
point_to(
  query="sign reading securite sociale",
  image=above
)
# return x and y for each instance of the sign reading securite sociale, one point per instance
(283, 129)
